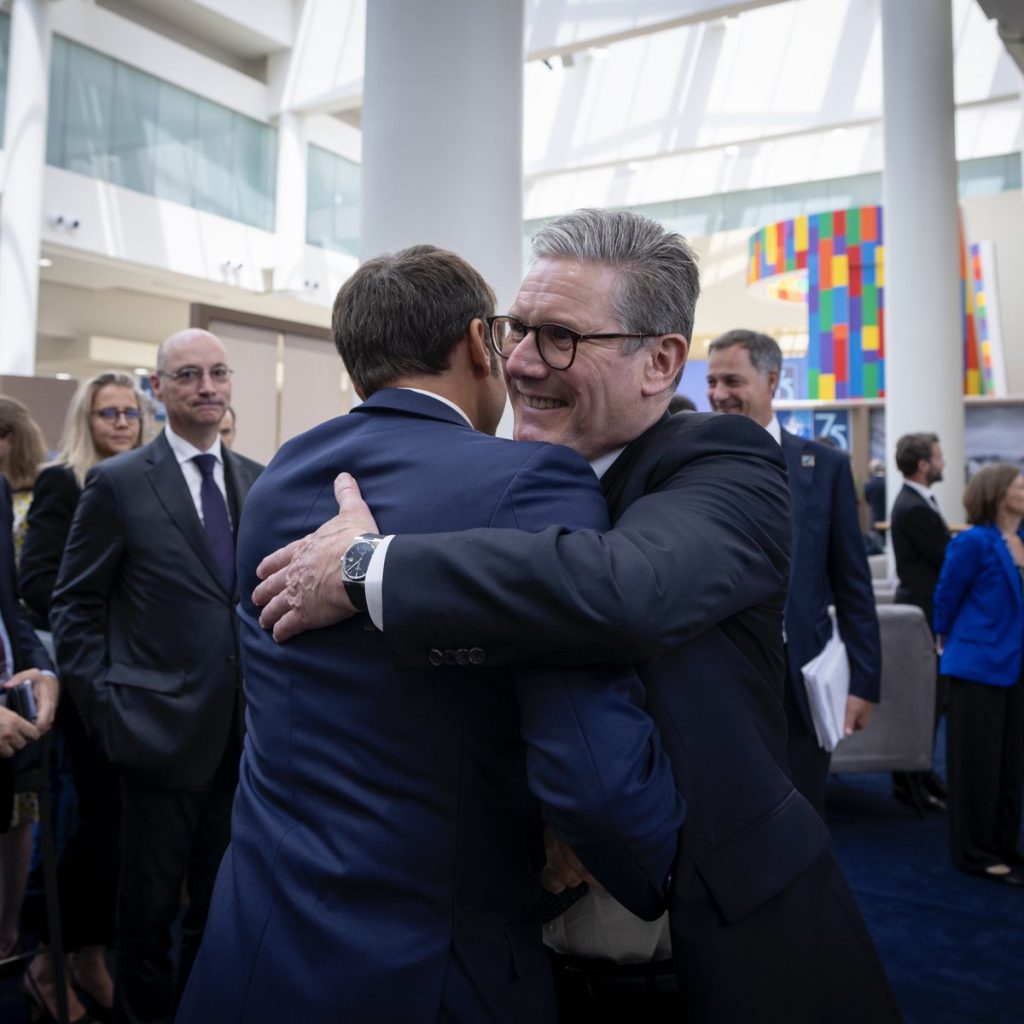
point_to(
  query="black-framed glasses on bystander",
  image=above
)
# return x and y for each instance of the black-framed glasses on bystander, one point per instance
(194, 374)
(556, 344)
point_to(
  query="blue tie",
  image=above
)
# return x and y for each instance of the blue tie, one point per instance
(215, 521)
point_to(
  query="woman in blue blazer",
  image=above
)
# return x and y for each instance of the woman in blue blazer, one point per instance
(979, 628)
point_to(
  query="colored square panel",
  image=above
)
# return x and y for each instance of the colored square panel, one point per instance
(771, 244)
(813, 383)
(825, 264)
(880, 266)
(869, 304)
(853, 227)
(826, 361)
(840, 271)
(972, 383)
(801, 259)
(800, 234)
(871, 380)
(827, 387)
(825, 310)
(840, 306)
(869, 336)
(824, 222)
(855, 315)
(839, 224)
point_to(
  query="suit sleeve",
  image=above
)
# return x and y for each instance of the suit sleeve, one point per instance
(962, 564)
(87, 576)
(49, 521)
(708, 539)
(594, 757)
(925, 531)
(850, 580)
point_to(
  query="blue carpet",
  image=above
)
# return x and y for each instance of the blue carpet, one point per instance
(953, 945)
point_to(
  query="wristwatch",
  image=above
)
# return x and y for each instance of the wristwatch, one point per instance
(355, 564)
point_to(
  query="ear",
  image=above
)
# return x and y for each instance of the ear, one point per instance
(666, 358)
(477, 348)
(155, 383)
(773, 381)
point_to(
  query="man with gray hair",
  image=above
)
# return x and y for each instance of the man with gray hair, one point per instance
(689, 585)
(828, 561)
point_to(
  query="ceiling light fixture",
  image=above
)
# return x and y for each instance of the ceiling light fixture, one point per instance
(45, 261)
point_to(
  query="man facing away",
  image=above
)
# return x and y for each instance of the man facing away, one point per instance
(386, 849)
(690, 583)
(829, 564)
(919, 539)
(145, 633)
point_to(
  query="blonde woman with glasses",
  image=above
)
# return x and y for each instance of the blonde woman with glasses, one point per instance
(107, 416)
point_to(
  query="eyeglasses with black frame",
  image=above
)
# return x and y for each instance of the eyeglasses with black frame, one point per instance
(194, 374)
(110, 414)
(556, 344)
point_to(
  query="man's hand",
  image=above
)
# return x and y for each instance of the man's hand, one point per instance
(563, 869)
(302, 586)
(858, 712)
(17, 732)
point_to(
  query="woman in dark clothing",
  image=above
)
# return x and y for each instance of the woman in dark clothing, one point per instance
(104, 419)
(979, 627)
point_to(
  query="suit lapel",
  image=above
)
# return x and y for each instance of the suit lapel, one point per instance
(168, 482)
(1007, 562)
(800, 465)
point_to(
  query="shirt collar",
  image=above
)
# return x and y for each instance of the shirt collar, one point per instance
(440, 398)
(925, 492)
(184, 450)
(603, 463)
(775, 429)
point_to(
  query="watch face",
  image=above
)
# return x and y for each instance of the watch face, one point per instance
(357, 560)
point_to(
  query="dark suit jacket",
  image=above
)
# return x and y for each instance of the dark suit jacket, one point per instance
(919, 538)
(54, 499)
(385, 854)
(26, 649)
(829, 566)
(691, 580)
(143, 624)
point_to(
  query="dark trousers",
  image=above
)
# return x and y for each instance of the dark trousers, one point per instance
(168, 836)
(985, 771)
(808, 763)
(599, 992)
(88, 868)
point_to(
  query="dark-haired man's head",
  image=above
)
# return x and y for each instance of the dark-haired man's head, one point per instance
(743, 372)
(919, 458)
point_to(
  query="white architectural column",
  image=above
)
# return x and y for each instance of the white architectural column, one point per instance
(442, 132)
(290, 202)
(923, 343)
(21, 207)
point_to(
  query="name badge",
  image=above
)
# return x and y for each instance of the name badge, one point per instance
(807, 462)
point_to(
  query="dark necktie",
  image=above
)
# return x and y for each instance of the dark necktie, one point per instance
(215, 521)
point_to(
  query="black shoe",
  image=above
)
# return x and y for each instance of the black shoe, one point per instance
(934, 785)
(912, 793)
(1012, 877)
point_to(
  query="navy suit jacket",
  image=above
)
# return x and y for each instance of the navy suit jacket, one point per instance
(691, 581)
(26, 649)
(386, 848)
(143, 622)
(829, 566)
(980, 610)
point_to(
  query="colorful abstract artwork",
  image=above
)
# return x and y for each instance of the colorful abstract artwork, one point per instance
(844, 258)
(835, 262)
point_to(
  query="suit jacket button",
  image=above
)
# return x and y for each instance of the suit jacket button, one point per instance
(477, 656)
(462, 656)
(435, 657)
(449, 657)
